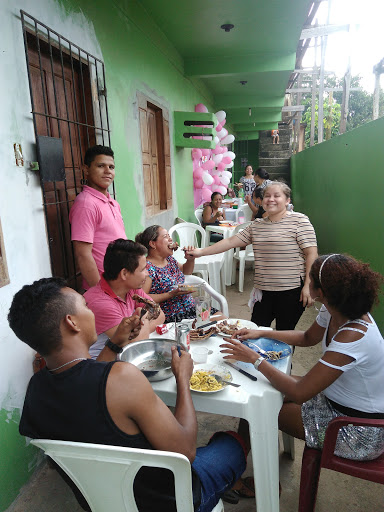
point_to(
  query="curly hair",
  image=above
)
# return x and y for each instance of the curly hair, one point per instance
(36, 313)
(349, 285)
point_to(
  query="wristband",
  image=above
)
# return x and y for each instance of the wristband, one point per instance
(258, 362)
(115, 348)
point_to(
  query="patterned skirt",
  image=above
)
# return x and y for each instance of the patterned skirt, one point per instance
(357, 443)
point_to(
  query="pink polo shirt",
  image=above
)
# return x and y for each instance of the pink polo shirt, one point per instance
(108, 308)
(96, 219)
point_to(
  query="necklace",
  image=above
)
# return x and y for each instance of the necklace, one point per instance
(69, 362)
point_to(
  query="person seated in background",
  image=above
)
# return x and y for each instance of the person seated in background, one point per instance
(165, 272)
(275, 137)
(75, 398)
(213, 213)
(256, 204)
(113, 298)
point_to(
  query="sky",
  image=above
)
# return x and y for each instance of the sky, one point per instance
(364, 42)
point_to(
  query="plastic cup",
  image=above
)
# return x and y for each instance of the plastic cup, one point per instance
(200, 354)
(203, 310)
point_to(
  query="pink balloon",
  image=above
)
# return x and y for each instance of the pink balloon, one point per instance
(199, 183)
(214, 188)
(198, 137)
(219, 127)
(222, 190)
(217, 180)
(223, 149)
(226, 160)
(200, 107)
(223, 122)
(206, 152)
(215, 172)
(217, 150)
(221, 166)
(206, 194)
(198, 173)
(196, 153)
(207, 166)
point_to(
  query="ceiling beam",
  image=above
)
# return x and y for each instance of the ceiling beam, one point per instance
(247, 136)
(207, 67)
(293, 108)
(245, 101)
(250, 127)
(322, 30)
(238, 116)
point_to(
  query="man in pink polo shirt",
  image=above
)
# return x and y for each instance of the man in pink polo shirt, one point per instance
(95, 217)
(125, 270)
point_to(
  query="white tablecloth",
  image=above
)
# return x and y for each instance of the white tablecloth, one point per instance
(228, 255)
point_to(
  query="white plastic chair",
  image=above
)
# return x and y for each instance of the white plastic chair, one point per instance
(222, 301)
(199, 216)
(211, 267)
(244, 211)
(105, 474)
(241, 255)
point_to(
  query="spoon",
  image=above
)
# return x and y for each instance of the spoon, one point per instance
(220, 380)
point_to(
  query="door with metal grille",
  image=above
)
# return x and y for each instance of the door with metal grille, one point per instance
(68, 97)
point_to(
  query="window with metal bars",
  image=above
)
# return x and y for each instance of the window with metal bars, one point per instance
(70, 113)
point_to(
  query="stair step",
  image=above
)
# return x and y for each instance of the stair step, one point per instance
(275, 154)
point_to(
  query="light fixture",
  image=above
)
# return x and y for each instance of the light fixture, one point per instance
(243, 82)
(250, 111)
(227, 27)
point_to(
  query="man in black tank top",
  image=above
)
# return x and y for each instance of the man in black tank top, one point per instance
(78, 399)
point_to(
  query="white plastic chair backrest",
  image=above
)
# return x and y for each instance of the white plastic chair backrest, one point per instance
(211, 291)
(186, 231)
(199, 216)
(248, 248)
(244, 211)
(105, 474)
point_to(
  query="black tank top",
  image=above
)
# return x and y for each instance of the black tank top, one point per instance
(71, 406)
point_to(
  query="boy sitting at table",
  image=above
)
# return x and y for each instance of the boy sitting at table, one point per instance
(75, 398)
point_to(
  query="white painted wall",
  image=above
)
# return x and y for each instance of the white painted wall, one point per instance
(21, 210)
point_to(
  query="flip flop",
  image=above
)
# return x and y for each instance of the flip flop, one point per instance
(230, 497)
(247, 489)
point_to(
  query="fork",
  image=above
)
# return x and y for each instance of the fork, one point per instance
(261, 351)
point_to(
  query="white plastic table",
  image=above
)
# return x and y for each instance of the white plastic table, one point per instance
(228, 255)
(257, 402)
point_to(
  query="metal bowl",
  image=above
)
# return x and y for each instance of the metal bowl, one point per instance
(153, 357)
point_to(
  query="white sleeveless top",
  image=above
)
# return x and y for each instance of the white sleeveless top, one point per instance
(361, 385)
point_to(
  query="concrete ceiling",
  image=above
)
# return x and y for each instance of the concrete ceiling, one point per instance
(261, 49)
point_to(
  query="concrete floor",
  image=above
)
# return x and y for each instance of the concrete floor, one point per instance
(47, 492)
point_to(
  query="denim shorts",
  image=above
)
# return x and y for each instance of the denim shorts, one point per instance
(218, 466)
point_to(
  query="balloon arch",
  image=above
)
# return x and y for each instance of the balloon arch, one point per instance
(211, 166)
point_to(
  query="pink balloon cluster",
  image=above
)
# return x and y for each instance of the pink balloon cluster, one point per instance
(211, 166)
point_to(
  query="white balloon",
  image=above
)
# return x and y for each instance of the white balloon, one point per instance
(216, 140)
(225, 181)
(222, 133)
(231, 154)
(228, 139)
(217, 159)
(221, 115)
(227, 174)
(207, 178)
(228, 166)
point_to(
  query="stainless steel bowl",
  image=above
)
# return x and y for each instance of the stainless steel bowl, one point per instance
(153, 357)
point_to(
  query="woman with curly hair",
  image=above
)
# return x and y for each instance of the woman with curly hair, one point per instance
(348, 378)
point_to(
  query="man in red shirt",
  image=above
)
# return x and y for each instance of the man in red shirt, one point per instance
(95, 216)
(111, 299)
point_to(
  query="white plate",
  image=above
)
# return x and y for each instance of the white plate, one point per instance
(243, 324)
(214, 368)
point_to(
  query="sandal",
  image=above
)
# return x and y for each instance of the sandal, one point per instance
(247, 489)
(230, 497)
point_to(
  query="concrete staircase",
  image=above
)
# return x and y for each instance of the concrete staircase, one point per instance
(275, 158)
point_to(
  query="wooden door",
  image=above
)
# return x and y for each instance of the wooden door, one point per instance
(61, 95)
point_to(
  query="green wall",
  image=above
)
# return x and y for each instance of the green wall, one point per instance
(248, 149)
(339, 184)
(138, 57)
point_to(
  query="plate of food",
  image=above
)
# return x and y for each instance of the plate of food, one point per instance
(200, 334)
(231, 325)
(203, 380)
(271, 350)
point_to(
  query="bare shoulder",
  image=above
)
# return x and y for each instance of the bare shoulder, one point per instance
(348, 335)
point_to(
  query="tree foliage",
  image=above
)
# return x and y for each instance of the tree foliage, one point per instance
(360, 108)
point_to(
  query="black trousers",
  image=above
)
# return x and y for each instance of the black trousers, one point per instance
(284, 306)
